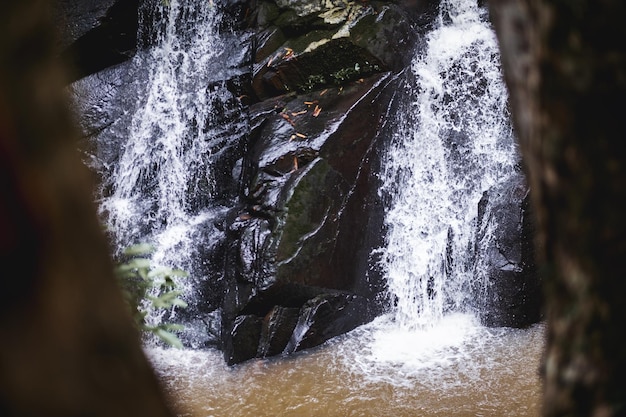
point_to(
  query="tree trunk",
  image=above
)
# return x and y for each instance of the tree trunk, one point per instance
(69, 347)
(565, 65)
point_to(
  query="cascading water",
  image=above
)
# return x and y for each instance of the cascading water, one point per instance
(453, 141)
(167, 143)
(164, 189)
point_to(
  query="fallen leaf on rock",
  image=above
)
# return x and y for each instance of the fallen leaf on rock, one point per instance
(287, 118)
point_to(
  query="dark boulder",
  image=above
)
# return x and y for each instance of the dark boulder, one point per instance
(112, 39)
(327, 316)
(511, 289)
(276, 330)
(245, 336)
(300, 248)
(309, 196)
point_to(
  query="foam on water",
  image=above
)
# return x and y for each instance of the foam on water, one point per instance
(466, 370)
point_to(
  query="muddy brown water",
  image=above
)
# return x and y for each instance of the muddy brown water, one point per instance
(457, 368)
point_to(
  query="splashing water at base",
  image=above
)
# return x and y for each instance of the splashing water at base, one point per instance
(468, 370)
(406, 350)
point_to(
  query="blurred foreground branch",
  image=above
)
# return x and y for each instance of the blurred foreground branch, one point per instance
(69, 347)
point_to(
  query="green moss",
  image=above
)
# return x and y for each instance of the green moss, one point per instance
(312, 82)
(334, 63)
(305, 209)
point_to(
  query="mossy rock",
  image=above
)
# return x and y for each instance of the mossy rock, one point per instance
(308, 229)
(302, 7)
(350, 43)
(266, 13)
(387, 35)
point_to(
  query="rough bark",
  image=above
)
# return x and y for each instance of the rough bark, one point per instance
(69, 347)
(565, 66)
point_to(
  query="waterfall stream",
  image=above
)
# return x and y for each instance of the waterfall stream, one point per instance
(167, 156)
(452, 142)
(157, 159)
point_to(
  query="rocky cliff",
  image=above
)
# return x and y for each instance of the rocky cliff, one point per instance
(315, 82)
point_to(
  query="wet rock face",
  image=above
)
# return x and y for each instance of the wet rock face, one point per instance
(77, 17)
(300, 264)
(305, 46)
(302, 233)
(512, 293)
(97, 35)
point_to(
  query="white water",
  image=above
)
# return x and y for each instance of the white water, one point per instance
(453, 141)
(163, 188)
(168, 146)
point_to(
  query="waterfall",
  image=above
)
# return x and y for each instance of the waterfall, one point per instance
(174, 171)
(168, 150)
(452, 141)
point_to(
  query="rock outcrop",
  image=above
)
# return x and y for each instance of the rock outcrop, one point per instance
(510, 293)
(98, 34)
(300, 268)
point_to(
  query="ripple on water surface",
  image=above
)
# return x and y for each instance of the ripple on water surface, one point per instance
(457, 368)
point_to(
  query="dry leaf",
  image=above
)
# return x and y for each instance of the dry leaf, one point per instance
(286, 117)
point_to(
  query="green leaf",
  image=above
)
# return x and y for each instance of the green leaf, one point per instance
(179, 303)
(173, 327)
(139, 249)
(165, 272)
(158, 302)
(169, 338)
(159, 272)
(178, 273)
(138, 263)
(170, 295)
(124, 270)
